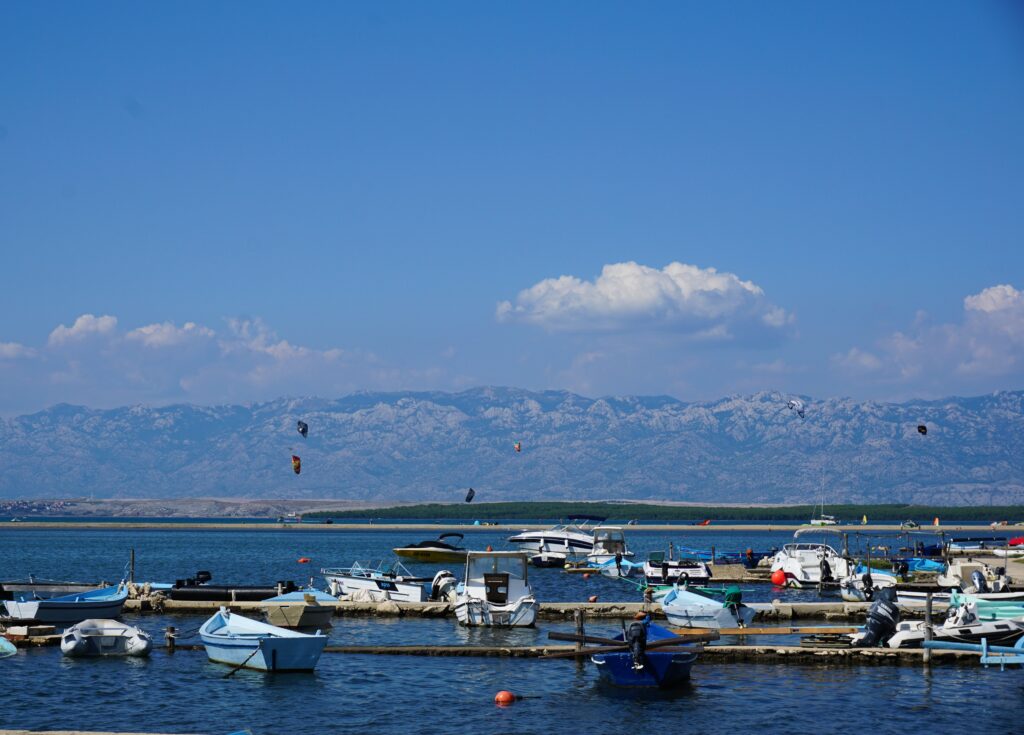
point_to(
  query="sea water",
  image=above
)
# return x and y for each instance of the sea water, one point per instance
(184, 693)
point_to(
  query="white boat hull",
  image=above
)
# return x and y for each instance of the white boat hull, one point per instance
(474, 612)
(388, 589)
(708, 616)
(63, 611)
(242, 642)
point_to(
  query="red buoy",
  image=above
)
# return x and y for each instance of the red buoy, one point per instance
(489, 548)
(592, 598)
(586, 575)
(779, 578)
(504, 698)
(304, 560)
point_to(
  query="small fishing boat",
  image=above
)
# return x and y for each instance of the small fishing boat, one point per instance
(97, 637)
(976, 543)
(642, 667)
(687, 609)
(659, 570)
(861, 585)
(434, 551)
(809, 564)
(390, 582)
(496, 591)
(245, 643)
(198, 588)
(301, 609)
(6, 648)
(74, 608)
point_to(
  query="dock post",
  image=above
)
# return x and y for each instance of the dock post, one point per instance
(578, 615)
(169, 636)
(712, 554)
(131, 567)
(927, 656)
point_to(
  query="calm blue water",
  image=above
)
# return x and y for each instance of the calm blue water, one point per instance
(186, 694)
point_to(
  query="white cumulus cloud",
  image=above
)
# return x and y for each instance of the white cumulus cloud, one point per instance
(629, 295)
(84, 326)
(14, 351)
(168, 334)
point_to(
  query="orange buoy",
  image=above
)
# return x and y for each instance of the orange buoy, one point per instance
(489, 548)
(304, 560)
(586, 575)
(779, 578)
(592, 598)
(504, 698)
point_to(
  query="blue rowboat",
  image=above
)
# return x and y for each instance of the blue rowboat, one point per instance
(661, 669)
(232, 639)
(103, 603)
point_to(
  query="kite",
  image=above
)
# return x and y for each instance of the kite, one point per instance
(922, 430)
(470, 495)
(518, 446)
(795, 405)
(296, 464)
(303, 428)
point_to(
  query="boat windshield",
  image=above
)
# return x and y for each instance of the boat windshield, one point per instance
(513, 565)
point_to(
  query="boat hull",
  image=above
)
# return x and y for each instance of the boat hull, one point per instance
(67, 610)
(392, 589)
(431, 555)
(473, 612)
(661, 669)
(266, 654)
(105, 638)
(708, 616)
(298, 615)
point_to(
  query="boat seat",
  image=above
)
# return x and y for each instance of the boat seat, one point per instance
(496, 586)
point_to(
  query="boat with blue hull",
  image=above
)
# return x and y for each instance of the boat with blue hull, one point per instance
(104, 603)
(239, 641)
(6, 648)
(646, 668)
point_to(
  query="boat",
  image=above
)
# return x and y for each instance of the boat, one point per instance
(687, 609)
(861, 584)
(962, 625)
(6, 648)
(198, 588)
(609, 554)
(232, 639)
(1014, 553)
(434, 551)
(549, 559)
(98, 637)
(659, 570)
(43, 588)
(824, 520)
(574, 538)
(106, 602)
(290, 518)
(974, 576)
(809, 564)
(976, 543)
(642, 667)
(301, 609)
(391, 582)
(496, 591)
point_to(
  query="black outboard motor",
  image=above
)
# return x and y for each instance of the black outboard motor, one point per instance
(869, 586)
(978, 580)
(883, 615)
(664, 572)
(636, 637)
(826, 571)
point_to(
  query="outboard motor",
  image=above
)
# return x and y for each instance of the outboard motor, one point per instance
(883, 615)
(202, 577)
(664, 572)
(826, 571)
(636, 637)
(978, 580)
(869, 586)
(443, 585)
(733, 602)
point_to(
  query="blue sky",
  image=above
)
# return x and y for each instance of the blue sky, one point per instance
(346, 196)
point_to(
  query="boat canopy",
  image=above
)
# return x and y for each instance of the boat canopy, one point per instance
(595, 519)
(451, 535)
(817, 529)
(480, 563)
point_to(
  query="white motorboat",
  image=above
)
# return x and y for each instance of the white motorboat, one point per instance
(659, 570)
(496, 591)
(97, 637)
(387, 582)
(574, 538)
(962, 626)
(805, 564)
(232, 639)
(106, 602)
(974, 576)
(686, 609)
(610, 551)
(861, 585)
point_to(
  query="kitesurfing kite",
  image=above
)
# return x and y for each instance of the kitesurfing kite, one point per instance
(922, 430)
(470, 495)
(296, 464)
(795, 405)
(303, 428)
(518, 446)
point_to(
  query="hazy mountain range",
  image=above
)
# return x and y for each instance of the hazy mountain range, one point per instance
(433, 445)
